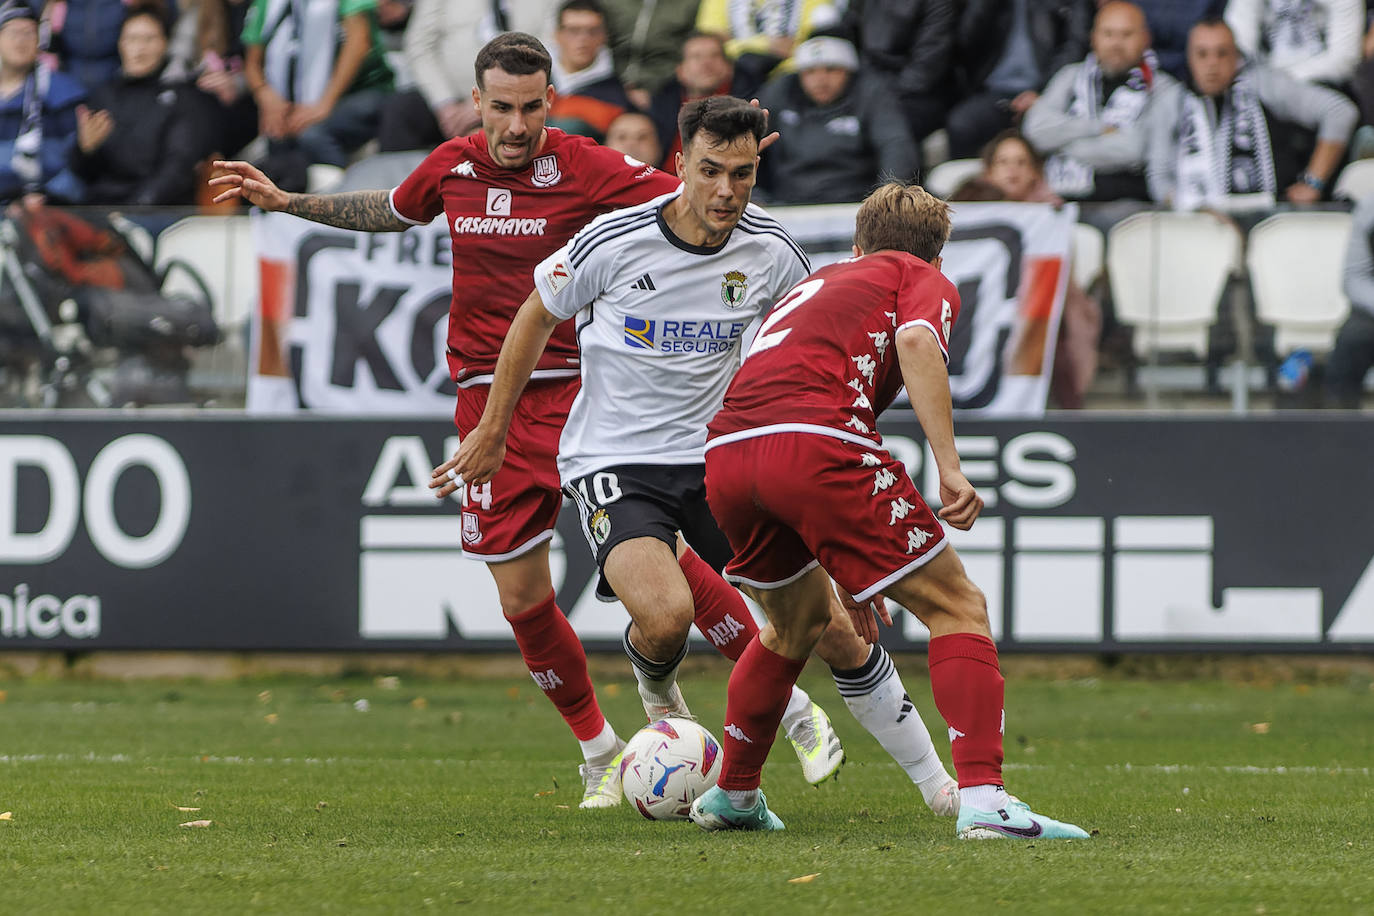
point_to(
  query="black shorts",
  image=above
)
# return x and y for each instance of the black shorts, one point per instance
(647, 500)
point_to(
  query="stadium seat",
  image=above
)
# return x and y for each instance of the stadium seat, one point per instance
(1167, 273)
(1295, 262)
(1089, 248)
(947, 176)
(1355, 181)
(219, 250)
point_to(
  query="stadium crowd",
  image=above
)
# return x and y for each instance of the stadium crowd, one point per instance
(1187, 104)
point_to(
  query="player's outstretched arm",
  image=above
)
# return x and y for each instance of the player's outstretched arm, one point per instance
(366, 211)
(483, 450)
(927, 384)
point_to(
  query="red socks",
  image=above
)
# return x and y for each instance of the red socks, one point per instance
(558, 664)
(968, 690)
(721, 614)
(760, 687)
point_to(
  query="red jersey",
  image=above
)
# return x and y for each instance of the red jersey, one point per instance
(503, 222)
(825, 360)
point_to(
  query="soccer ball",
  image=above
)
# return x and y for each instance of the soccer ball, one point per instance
(666, 765)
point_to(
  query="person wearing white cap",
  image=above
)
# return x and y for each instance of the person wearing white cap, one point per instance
(841, 133)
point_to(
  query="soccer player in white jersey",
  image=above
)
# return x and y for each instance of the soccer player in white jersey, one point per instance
(664, 294)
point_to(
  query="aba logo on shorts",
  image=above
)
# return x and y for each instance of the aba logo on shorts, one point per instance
(639, 332)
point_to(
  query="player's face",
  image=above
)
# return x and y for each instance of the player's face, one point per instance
(1212, 58)
(1013, 170)
(718, 179)
(1120, 37)
(513, 110)
(823, 85)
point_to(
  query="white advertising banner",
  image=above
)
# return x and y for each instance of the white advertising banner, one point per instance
(355, 322)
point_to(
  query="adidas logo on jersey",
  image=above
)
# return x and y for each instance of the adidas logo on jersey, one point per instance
(644, 282)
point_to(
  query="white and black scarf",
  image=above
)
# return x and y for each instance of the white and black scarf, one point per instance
(1223, 147)
(300, 41)
(1294, 30)
(1074, 177)
(25, 159)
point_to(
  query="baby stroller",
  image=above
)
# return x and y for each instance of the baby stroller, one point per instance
(83, 321)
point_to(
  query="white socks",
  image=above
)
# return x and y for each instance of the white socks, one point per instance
(601, 750)
(798, 708)
(984, 798)
(875, 695)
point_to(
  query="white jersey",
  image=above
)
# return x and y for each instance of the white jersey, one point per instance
(660, 324)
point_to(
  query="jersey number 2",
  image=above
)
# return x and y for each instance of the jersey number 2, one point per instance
(768, 338)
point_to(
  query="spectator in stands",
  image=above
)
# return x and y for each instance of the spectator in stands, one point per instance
(1169, 22)
(205, 48)
(761, 34)
(1313, 40)
(589, 94)
(143, 133)
(1005, 53)
(634, 134)
(911, 44)
(704, 70)
(1240, 129)
(1362, 90)
(841, 135)
(1353, 354)
(85, 37)
(37, 114)
(1093, 116)
(319, 99)
(646, 41)
(1014, 171)
(441, 45)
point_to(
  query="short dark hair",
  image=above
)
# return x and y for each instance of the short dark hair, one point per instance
(579, 6)
(156, 11)
(517, 53)
(724, 117)
(693, 35)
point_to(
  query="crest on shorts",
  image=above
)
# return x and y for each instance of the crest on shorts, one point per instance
(546, 173)
(732, 289)
(600, 525)
(472, 532)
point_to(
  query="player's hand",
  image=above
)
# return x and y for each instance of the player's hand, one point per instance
(1301, 193)
(861, 614)
(247, 182)
(303, 117)
(479, 457)
(771, 138)
(961, 501)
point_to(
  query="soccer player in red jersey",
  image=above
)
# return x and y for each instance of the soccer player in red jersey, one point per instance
(511, 195)
(798, 479)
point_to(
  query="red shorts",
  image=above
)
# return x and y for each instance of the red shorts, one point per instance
(789, 500)
(516, 511)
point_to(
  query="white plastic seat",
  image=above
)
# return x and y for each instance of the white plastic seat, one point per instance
(1355, 181)
(220, 250)
(947, 176)
(1167, 272)
(1295, 262)
(1089, 253)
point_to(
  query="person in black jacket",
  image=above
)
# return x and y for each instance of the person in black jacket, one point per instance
(139, 140)
(1007, 52)
(910, 43)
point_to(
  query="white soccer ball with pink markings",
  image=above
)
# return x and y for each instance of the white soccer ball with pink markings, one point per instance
(666, 765)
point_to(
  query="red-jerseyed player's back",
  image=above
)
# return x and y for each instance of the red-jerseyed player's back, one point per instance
(503, 222)
(825, 358)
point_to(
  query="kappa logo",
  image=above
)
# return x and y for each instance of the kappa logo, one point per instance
(546, 172)
(946, 316)
(733, 288)
(498, 202)
(472, 531)
(734, 731)
(464, 170)
(955, 733)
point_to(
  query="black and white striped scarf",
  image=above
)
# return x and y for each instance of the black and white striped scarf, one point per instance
(1223, 147)
(25, 159)
(1073, 177)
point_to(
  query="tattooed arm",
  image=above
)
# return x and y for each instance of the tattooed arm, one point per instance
(367, 211)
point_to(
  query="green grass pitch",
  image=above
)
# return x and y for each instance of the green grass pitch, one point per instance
(461, 796)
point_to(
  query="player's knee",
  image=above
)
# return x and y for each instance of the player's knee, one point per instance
(840, 647)
(521, 599)
(969, 607)
(663, 631)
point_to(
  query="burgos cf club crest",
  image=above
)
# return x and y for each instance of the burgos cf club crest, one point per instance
(732, 289)
(546, 173)
(600, 525)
